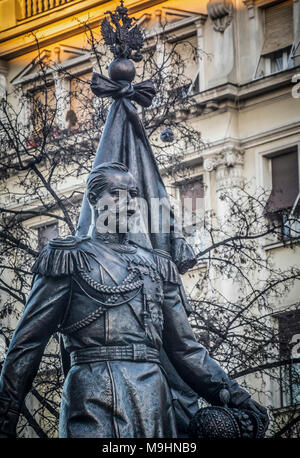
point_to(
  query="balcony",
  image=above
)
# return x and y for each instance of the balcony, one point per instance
(29, 8)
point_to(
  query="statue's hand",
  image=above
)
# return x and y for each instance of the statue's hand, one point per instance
(250, 404)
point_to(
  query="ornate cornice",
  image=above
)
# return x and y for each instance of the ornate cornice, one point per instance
(228, 165)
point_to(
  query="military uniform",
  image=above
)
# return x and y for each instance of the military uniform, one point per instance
(116, 306)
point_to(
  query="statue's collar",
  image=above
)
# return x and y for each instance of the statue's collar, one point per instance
(117, 242)
(111, 238)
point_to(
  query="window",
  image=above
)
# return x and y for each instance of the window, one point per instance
(278, 60)
(278, 32)
(184, 56)
(192, 201)
(195, 86)
(46, 233)
(42, 113)
(278, 27)
(289, 339)
(284, 202)
(81, 99)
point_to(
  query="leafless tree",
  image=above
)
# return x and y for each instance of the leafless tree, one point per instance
(38, 155)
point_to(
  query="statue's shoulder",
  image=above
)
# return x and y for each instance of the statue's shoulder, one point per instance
(163, 263)
(67, 243)
(166, 266)
(63, 256)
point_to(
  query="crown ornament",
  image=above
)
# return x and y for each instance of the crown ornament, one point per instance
(124, 39)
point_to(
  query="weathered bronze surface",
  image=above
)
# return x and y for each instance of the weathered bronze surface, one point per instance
(116, 306)
(132, 364)
(223, 422)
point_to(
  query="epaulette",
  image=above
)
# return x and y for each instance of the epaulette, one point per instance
(62, 256)
(166, 266)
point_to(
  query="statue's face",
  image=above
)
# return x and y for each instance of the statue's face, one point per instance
(119, 197)
(121, 189)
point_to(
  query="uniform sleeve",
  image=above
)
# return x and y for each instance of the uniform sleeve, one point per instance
(43, 312)
(190, 358)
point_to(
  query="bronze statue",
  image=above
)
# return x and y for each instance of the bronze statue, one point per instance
(133, 367)
(115, 304)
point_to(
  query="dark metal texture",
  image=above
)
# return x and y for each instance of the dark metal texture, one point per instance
(227, 423)
(125, 40)
(117, 384)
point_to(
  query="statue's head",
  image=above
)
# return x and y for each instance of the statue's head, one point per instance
(111, 188)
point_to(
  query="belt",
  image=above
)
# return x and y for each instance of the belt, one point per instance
(135, 352)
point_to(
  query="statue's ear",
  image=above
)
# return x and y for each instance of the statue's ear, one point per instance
(92, 197)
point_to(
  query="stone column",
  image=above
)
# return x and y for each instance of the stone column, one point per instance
(24, 116)
(62, 90)
(200, 45)
(3, 81)
(228, 169)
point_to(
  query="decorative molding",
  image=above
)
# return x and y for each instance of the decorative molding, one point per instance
(251, 9)
(220, 13)
(44, 56)
(228, 157)
(60, 57)
(50, 28)
(228, 165)
(209, 164)
(161, 21)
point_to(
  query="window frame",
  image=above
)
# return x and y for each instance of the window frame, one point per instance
(43, 225)
(267, 180)
(263, 67)
(285, 371)
(198, 232)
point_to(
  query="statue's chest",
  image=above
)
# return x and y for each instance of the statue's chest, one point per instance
(115, 274)
(130, 291)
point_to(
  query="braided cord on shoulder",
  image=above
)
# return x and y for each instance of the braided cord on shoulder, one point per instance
(119, 289)
(115, 292)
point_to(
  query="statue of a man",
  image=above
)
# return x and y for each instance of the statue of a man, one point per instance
(115, 304)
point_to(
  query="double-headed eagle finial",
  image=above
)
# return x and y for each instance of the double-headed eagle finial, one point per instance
(125, 40)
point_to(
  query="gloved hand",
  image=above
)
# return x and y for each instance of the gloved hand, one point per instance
(250, 404)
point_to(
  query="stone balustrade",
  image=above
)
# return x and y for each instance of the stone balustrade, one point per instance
(29, 8)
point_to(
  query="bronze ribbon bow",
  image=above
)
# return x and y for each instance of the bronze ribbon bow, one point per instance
(124, 92)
